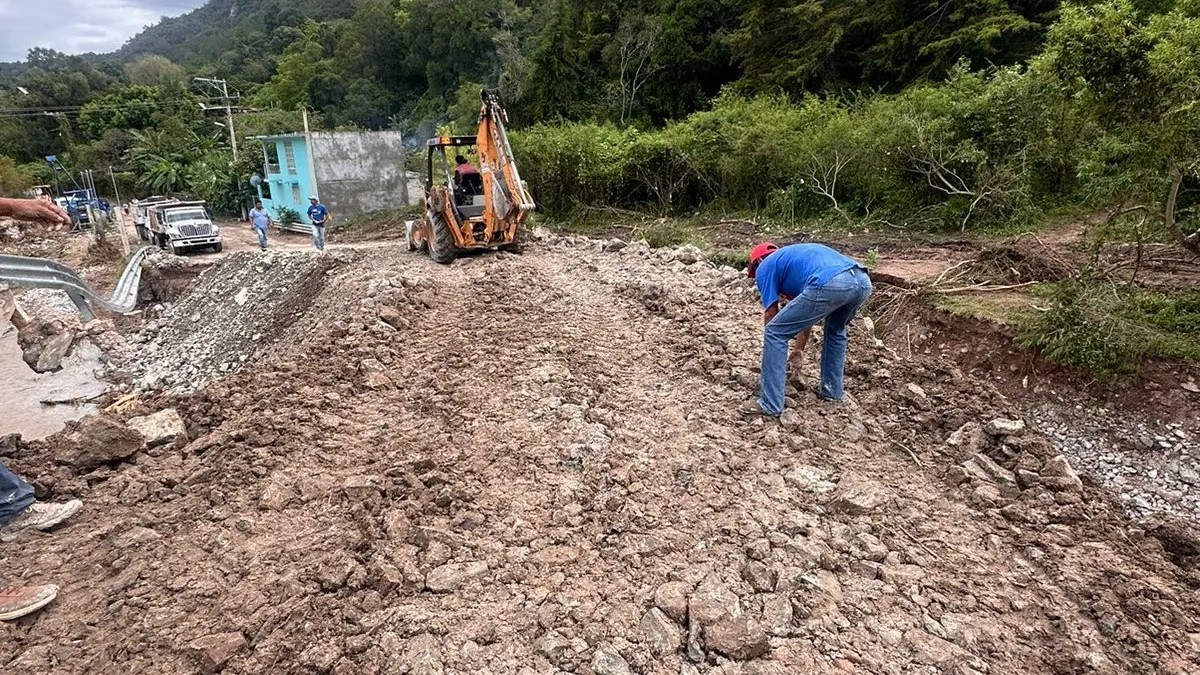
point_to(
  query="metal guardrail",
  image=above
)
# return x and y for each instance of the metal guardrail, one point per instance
(42, 273)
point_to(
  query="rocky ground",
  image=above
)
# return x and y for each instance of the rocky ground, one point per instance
(528, 464)
(1151, 467)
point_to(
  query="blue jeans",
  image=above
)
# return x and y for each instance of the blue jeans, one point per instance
(836, 303)
(319, 237)
(262, 236)
(15, 495)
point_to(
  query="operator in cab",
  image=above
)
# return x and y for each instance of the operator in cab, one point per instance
(463, 168)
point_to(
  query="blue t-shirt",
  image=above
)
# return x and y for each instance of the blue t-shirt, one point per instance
(317, 214)
(791, 269)
(260, 218)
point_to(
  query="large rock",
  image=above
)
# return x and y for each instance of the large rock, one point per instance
(211, 652)
(662, 635)
(858, 496)
(672, 599)
(423, 656)
(52, 352)
(96, 440)
(738, 638)
(711, 601)
(162, 427)
(606, 661)
(392, 317)
(451, 577)
(1057, 474)
(984, 468)
(931, 650)
(1002, 427)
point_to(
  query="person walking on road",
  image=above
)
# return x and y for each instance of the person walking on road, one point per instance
(319, 215)
(19, 510)
(260, 220)
(801, 285)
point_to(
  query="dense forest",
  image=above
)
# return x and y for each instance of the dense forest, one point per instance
(932, 114)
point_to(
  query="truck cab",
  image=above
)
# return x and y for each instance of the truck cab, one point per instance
(180, 226)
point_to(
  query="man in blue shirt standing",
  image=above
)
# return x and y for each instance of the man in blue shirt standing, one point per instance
(801, 285)
(260, 220)
(319, 215)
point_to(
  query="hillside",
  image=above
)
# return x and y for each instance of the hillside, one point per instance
(204, 34)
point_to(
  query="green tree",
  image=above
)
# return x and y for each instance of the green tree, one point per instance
(153, 70)
(132, 107)
(1138, 77)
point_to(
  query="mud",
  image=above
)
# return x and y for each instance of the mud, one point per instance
(527, 464)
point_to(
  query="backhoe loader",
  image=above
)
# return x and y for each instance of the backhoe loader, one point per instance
(468, 208)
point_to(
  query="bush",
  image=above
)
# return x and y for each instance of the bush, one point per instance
(1108, 330)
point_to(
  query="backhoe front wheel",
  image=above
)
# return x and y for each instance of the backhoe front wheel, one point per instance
(441, 240)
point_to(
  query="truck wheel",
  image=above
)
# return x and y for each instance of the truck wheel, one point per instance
(218, 246)
(441, 241)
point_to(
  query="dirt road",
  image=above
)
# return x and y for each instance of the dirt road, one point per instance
(527, 464)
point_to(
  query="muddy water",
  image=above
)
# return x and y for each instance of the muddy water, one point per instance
(22, 391)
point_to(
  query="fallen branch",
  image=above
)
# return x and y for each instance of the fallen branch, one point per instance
(942, 276)
(78, 400)
(919, 542)
(900, 445)
(983, 288)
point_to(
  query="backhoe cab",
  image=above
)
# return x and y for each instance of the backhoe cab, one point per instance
(468, 210)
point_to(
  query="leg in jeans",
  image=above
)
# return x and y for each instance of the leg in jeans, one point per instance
(262, 237)
(15, 495)
(319, 237)
(833, 348)
(799, 314)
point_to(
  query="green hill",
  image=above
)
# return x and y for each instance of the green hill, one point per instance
(205, 34)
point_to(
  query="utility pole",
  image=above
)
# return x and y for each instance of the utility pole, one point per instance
(120, 213)
(222, 87)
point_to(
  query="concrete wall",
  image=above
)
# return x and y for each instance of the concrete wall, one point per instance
(360, 172)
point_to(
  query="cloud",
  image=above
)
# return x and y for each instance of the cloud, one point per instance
(78, 26)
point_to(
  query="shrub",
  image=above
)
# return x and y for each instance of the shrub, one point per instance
(1109, 330)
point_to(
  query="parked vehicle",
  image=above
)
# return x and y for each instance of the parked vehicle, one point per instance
(178, 226)
(139, 210)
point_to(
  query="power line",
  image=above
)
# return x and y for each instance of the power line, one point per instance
(51, 110)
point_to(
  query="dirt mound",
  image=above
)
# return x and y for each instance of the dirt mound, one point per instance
(524, 464)
(233, 310)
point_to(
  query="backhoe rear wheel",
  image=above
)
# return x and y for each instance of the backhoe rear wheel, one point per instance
(518, 243)
(441, 240)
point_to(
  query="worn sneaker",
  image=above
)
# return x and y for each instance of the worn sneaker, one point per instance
(19, 601)
(40, 516)
(751, 408)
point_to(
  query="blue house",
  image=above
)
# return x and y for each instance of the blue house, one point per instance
(353, 172)
(288, 176)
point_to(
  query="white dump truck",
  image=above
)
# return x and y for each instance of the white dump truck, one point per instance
(176, 225)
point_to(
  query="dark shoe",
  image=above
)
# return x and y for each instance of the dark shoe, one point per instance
(19, 601)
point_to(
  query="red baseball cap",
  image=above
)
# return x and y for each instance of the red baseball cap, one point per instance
(757, 254)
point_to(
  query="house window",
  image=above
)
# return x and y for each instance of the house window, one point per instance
(272, 158)
(265, 189)
(289, 154)
(295, 193)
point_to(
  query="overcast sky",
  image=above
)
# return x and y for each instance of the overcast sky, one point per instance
(78, 26)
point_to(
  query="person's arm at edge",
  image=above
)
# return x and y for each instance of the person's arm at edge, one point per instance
(34, 210)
